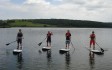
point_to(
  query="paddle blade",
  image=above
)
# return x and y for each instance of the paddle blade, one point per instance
(40, 43)
(7, 44)
(102, 50)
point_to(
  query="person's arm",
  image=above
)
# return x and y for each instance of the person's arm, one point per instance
(70, 37)
(51, 33)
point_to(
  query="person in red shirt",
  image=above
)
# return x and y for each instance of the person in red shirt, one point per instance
(49, 38)
(92, 39)
(68, 39)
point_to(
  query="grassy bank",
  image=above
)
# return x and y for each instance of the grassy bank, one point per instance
(18, 23)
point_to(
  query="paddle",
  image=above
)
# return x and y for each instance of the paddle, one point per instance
(41, 42)
(10, 43)
(100, 47)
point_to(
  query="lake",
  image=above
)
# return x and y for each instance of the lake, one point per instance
(78, 59)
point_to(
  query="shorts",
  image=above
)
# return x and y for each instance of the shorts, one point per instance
(49, 40)
(67, 41)
(19, 41)
(92, 42)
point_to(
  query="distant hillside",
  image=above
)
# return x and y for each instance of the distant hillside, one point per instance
(53, 23)
(72, 23)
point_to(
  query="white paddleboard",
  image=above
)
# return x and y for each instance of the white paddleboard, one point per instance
(97, 51)
(64, 50)
(17, 51)
(46, 48)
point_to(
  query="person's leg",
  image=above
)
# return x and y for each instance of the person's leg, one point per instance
(17, 44)
(21, 44)
(49, 44)
(66, 45)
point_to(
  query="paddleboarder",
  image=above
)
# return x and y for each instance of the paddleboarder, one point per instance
(19, 39)
(68, 38)
(49, 34)
(92, 39)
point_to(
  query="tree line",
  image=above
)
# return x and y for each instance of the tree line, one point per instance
(72, 23)
(60, 23)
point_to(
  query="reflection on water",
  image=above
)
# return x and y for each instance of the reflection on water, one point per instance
(49, 58)
(91, 60)
(67, 60)
(19, 60)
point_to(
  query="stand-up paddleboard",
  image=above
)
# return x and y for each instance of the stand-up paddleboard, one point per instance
(95, 51)
(46, 48)
(64, 50)
(17, 51)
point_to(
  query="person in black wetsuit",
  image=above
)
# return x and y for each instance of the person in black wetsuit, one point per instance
(19, 39)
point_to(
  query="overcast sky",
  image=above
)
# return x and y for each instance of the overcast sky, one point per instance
(94, 10)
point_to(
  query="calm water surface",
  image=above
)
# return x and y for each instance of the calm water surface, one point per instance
(78, 59)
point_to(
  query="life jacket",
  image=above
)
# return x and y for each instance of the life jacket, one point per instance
(68, 34)
(49, 35)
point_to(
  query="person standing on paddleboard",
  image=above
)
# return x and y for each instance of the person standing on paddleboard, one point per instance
(49, 38)
(19, 39)
(68, 39)
(92, 39)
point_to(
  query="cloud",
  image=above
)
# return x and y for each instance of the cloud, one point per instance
(95, 10)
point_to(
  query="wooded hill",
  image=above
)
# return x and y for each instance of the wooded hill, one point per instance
(53, 23)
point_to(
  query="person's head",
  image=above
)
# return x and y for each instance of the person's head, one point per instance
(92, 32)
(48, 31)
(68, 30)
(19, 30)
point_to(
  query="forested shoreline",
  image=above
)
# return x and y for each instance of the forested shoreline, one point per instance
(53, 23)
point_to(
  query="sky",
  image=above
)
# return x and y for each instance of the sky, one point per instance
(93, 10)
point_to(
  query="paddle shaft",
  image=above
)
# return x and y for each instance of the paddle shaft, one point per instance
(43, 40)
(100, 47)
(11, 42)
(97, 44)
(72, 45)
